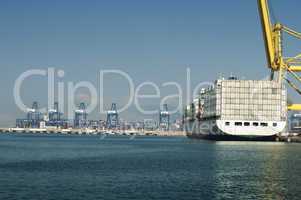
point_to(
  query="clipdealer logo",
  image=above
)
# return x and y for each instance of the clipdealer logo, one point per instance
(136, 93)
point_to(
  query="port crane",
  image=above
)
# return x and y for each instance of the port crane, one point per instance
(277, 62)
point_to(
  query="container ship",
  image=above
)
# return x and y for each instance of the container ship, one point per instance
(233, 109)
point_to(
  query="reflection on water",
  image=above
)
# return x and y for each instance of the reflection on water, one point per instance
(245, 143)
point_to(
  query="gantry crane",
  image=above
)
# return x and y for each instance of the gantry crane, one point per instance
(277, 62)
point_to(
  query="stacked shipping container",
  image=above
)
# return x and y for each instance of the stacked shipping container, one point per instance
(249, 100)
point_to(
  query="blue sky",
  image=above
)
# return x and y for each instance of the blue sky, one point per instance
(150, 40)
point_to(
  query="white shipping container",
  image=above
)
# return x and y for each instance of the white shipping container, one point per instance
(246, 100)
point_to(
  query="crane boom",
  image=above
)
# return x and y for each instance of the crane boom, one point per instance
(267, 30)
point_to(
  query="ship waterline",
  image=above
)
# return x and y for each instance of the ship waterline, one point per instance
(220, 130)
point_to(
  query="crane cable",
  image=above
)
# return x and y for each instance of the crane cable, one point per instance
(293, 86)
(272, 13)
(291, 83)
(294, 74)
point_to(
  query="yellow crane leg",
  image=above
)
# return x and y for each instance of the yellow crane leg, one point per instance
(294, 107)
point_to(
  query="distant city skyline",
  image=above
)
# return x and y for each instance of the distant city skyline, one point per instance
(149, 40)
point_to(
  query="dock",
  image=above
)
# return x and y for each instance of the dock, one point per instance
(87, 131)
(293, 139)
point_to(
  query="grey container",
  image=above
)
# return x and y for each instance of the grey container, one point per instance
(245, 100)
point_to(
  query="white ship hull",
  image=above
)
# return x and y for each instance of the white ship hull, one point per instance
(234, 130)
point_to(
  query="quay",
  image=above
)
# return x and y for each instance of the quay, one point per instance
(290, 138)
(87, 131)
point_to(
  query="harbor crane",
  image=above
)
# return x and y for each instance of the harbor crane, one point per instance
(277, 62)
(112, 117)
(164, 118)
